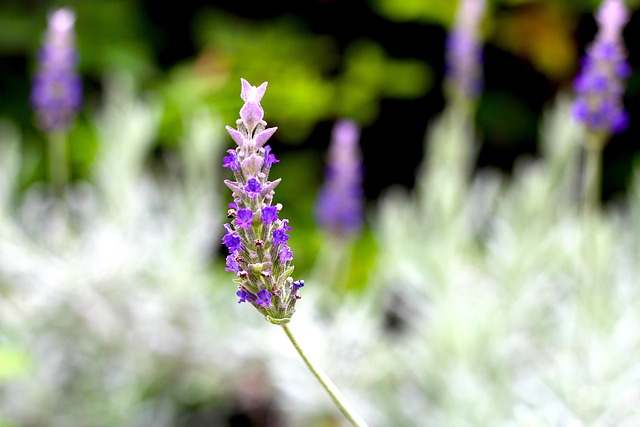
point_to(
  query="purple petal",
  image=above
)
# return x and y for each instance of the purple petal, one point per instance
(264, 298)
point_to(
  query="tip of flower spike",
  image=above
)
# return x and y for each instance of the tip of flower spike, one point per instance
(251, 93)
(62, 19)
(346, 132)
(612, 14)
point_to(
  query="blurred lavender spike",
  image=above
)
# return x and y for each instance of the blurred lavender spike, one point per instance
(340, 203)
(256, 237)
(463, 54)
(56, 95)
(600, 83)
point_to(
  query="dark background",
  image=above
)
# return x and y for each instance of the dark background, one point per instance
(504, 72)
(516, 90)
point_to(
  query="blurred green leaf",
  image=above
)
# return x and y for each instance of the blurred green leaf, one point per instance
(110, 36)
(506, 117)
(308, 81)
(407, 78)
(14, 363)
(440, 11)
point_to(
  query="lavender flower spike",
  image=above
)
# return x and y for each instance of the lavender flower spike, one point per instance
(256, 237)
(463, 54)
(56, 95)
(600, 84)
(340, 203)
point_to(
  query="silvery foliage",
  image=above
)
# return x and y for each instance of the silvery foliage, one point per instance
(493, 301)
(109, 294)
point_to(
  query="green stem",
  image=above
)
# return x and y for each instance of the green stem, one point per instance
(58, 169)
(336, 395)
(592, 179)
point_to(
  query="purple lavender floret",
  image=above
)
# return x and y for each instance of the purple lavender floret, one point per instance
(232, 241)
(280, 236)
(244, 218)
(232, 264)
(270, 159)
(285, 254)
(259, 255)
(600, 83)
(245, 296)
(253, 187)
(297, 284)
(231, 161)
(340, 203)
(269, 214)
(463, 51)
(264, 298)
(56, 95)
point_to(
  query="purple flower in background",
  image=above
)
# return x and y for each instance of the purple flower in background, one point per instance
(340, 203)
(600, 83)
(259, 256)
(56, 94)
(463, 50)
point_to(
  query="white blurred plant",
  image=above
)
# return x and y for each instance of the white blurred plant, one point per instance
(109, 294)
(484, 310)
(492, 302)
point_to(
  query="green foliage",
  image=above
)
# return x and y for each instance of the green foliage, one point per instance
(105, 49)
(369, 76)
(441, 11)
(15, 362)
(299, 68)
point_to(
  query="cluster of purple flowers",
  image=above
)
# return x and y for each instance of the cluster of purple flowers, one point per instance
(600, 84)
(256, 237)
(340, 203)
(464, 51)
(56, 96)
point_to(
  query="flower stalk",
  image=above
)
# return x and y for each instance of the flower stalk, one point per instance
(58, 164)
(600, 88)
(56, 94)
(257, 237)
(463, 54)
(592, 174)
(336, 395)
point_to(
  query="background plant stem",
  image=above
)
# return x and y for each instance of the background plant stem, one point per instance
(592, 178)
(58, 168)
